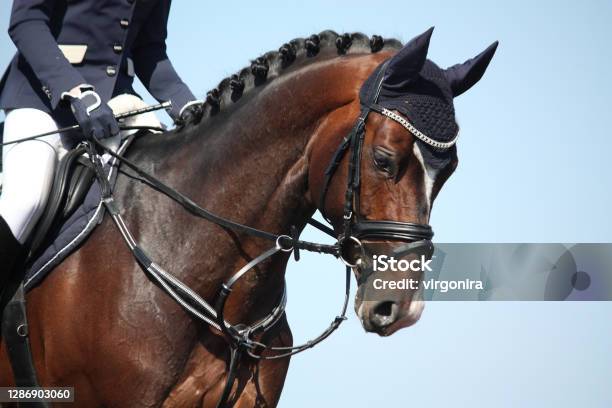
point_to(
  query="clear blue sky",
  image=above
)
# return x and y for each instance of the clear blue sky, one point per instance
(534, 154)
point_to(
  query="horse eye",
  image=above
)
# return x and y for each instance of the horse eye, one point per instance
(384, 162)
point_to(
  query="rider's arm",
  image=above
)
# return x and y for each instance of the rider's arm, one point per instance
(152, 64)
(29, 29)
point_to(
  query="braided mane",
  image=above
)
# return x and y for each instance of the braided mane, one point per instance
(273, 63)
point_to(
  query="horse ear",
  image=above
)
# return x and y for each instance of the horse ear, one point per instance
(407, 63)
(463, 76)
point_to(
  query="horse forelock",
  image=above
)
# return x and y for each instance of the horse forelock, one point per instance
(274, 64)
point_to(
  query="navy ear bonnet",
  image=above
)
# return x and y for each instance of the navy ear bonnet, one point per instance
(423, 92)
(426, 101)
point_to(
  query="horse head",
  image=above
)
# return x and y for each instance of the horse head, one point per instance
(393, 165)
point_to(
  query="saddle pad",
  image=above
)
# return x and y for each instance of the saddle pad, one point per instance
(75, 229)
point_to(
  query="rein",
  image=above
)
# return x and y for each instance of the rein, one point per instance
(152, 108)
(284, 241)
(240, 337)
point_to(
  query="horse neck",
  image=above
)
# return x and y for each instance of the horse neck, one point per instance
(249, 164)
(253, 156)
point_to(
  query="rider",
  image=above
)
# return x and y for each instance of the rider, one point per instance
(73, 59)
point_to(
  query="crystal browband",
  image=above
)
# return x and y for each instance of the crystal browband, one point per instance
(418, 134)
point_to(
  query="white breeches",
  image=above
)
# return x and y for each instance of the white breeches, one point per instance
(29, 167)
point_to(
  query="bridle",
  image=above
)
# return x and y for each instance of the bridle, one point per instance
(355, 228)
(241, 338)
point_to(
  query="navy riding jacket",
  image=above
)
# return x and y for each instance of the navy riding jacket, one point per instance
(65, 43)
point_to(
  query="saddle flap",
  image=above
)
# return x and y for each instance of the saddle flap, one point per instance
(71, 182)
(79, 184)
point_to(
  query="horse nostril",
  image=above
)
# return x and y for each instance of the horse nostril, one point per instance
(384, 309)
(383, 315)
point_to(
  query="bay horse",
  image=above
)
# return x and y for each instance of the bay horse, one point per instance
(258, 155)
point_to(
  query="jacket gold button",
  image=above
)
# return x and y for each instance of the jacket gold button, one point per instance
(111, 71)
(125, 23)
(117, 48)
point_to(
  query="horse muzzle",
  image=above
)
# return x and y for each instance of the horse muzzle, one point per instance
(389, 260)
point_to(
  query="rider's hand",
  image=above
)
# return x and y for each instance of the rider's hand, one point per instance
(94, 116)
